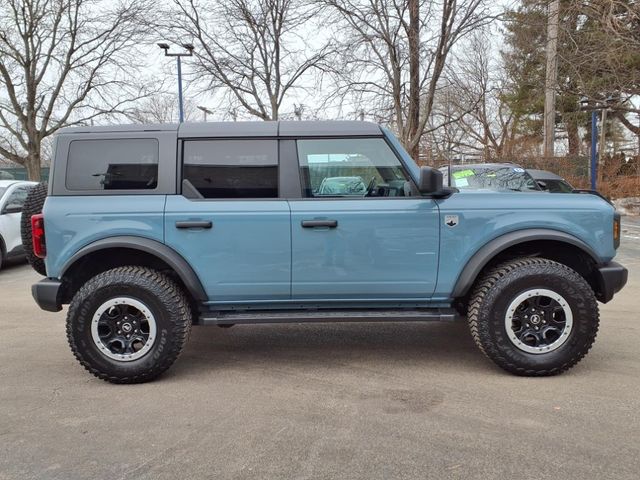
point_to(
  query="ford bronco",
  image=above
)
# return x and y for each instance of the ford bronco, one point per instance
(148, 229)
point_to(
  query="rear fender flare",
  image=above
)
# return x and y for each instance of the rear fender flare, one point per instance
(153, 247)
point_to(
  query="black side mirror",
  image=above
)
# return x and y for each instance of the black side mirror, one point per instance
(12, 208)
(430, 181)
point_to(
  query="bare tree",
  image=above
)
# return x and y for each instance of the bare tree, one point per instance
(395, 52)
(476, 98)
(62, 62)
(161, 108)
(254, 49)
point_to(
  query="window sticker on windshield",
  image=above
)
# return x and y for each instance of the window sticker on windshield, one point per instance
(462, 182)
(518, 170)
(463, 174)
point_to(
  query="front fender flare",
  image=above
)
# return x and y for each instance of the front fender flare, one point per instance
(153, 247)
(483, 256)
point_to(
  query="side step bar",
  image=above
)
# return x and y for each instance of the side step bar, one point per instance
(302, 316)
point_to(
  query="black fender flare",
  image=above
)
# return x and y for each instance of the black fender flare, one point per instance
(482, 256)
(153, 247)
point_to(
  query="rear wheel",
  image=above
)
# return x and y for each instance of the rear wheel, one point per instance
(129, 324)
(32, 206)
(533, 316)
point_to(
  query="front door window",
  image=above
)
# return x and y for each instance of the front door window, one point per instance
(358, 167)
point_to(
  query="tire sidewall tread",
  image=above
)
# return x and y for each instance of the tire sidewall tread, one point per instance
(159, 293)
(500, 285)
(33, 205)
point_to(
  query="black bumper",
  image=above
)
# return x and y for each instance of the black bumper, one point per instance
(47, 294)
(611, 278)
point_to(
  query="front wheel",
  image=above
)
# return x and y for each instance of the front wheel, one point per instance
(533, 316)
(129, 324)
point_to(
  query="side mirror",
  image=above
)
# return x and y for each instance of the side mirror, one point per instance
(12, 208)
(430, 181)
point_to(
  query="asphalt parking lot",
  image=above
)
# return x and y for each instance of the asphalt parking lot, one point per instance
(350, 401)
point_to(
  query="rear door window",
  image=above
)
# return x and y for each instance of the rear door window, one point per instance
(232, 168)
(114, 164)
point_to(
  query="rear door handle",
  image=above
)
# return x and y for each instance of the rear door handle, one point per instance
(319, 223)
(194, 224)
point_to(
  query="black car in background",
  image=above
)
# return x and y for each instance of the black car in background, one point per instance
(550, 182)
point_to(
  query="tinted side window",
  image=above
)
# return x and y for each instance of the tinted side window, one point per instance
(351, 167)
(232, 168)
(117, 164)
(18, 196)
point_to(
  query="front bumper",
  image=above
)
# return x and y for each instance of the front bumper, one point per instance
(611, 278)
(47, 294)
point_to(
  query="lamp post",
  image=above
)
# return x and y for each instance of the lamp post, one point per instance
(189, 52)
(597, 159)
(205, 111)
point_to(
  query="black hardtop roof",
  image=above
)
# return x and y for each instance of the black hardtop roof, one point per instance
(322, 128)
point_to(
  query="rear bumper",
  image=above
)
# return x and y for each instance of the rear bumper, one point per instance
(46, 293)
(611, 278)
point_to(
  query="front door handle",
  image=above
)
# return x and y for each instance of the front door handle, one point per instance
(194, 224)
(319, 223)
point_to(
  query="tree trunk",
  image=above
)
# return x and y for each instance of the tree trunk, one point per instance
(32, 164)
(413, 115)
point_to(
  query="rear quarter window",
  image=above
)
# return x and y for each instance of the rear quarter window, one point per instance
(113, 164)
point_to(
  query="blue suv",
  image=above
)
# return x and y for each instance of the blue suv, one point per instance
(148, 229)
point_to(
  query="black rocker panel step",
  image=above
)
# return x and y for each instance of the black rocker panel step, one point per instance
(352, 315)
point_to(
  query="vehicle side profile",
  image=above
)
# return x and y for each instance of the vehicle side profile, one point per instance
(148, 229)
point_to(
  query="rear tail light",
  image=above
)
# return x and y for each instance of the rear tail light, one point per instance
(616, 230)
(37, 235)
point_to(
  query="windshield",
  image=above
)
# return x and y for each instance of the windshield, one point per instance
(2, 190)
(491, 177)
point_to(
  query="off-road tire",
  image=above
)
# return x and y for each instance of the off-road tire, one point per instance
(492, 295)
(32, 206)
(164, 298)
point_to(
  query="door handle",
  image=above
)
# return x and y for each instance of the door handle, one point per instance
(319, 223)
(194, 224)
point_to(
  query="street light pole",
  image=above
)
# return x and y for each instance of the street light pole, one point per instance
(594, 148)
(180, 104)
(189, 52)
(205, 111)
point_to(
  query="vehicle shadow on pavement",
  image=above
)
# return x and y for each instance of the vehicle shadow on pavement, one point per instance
(423, 344)
(12, 264)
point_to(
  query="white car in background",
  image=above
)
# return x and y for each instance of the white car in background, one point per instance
(13, 193)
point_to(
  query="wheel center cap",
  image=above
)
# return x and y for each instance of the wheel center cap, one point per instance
(127, 327)
(535, 319)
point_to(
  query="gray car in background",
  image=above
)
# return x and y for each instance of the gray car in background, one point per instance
(550, 182)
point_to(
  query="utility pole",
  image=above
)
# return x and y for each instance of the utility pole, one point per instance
(601, 151)
(413, 115)
(551, 79)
